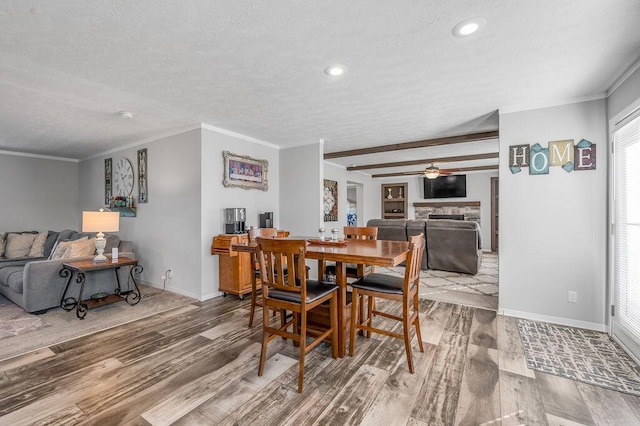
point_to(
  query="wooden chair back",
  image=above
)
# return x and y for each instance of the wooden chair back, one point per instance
(361, 232)
(262, 232)
(414, 260)
(274, 255)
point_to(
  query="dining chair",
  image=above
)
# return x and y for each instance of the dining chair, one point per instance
(358, 233)
(253, 234)
(401, 289)
(292, 291)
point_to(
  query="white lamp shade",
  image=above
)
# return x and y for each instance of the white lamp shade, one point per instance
(100, 221)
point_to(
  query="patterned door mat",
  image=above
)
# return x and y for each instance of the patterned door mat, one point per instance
(578, 354)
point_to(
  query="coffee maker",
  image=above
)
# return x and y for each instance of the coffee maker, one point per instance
(234, 220)
(266, 220)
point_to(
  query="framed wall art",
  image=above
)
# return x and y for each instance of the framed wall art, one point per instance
(245, 172)
(143, 193)
(108, 191)
(330, 200)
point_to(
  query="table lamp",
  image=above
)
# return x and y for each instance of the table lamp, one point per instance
(100, 222)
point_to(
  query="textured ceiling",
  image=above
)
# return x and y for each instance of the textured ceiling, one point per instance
(256, 68)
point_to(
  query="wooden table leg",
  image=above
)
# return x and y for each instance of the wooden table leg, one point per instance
(341, 280)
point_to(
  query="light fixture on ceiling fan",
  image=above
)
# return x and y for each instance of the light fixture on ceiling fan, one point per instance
(431, 172)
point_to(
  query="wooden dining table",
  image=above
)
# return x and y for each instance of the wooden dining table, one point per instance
(367, 252)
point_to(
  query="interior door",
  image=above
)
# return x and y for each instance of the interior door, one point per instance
(494, 213)
(626, 236)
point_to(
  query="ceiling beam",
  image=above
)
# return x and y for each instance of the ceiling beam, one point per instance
(419, 172)
(427, 161)
(472, 137)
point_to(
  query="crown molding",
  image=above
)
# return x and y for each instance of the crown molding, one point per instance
(551, 103)
(42, 157)
(238, 135)
(624, 76)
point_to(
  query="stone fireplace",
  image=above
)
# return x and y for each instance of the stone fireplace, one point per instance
(470, 210)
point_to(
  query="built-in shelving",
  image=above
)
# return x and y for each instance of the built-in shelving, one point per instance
(394, 200)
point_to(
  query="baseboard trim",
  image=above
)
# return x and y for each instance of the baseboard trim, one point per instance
(173, 290)
(555, 320)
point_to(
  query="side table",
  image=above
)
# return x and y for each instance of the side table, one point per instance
(81, 267)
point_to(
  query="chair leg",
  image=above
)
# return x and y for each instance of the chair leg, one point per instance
(265, 339)
(361, 313)
(407, 333)
(370, 307)
(303, 349)
(416, 306)
(254, 297)
(354, 315)
(333, 312)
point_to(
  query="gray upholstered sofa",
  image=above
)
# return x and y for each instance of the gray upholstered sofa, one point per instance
(34, 283)
(452, 245)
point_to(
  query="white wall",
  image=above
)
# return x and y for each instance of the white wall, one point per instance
(38, 194)
(166, 232)
(553, 227)
(215, 197)
(301, 180)
(478, 189)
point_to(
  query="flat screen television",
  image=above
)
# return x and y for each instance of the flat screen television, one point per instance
(446, 187)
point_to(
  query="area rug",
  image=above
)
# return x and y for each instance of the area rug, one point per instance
(480, 290)
(14, 321)
(578, 354)
(58, 325)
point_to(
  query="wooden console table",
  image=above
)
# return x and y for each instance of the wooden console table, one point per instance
(235, 269)
(81, 267)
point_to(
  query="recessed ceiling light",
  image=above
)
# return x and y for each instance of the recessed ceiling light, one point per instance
(126, 114)
(335, 70)
(468, 27)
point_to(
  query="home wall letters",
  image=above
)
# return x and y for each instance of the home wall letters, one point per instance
(562, 153)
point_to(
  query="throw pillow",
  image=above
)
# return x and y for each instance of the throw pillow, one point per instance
(52, 237)
(60, 249)
(37, 248)
(19, 245)
(3, 242)
(80, 248)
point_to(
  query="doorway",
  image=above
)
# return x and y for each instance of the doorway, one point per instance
(355, 204)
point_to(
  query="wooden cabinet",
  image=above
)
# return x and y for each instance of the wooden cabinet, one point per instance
(235, 269)
(394, 200)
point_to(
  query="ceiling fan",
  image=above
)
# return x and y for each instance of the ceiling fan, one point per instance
(433, 172)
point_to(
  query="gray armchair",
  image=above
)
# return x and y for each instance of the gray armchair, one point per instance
(454, 245)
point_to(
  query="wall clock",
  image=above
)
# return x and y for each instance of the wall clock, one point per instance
(123, 178)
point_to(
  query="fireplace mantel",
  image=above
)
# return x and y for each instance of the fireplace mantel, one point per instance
(469, 209)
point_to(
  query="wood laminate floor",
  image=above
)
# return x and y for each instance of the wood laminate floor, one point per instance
(197, 365)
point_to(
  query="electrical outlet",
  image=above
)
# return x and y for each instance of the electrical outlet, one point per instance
(163, 277)
(170, 273)
(573, 297)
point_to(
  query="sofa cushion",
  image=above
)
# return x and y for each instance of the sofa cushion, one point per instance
(37, 248)
(19, 245)
(113, 241)
(52, 237)
(390, 229)
(65, 234)
(3, 242)
(12, 277)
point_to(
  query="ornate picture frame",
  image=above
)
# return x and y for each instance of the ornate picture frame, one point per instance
(143, 192)
(108, 188)
(242, 171)
(330, 200)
